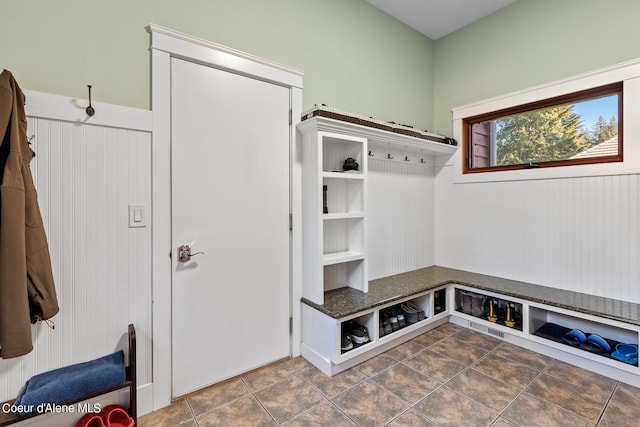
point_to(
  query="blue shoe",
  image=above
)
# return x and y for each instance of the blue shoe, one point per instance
(627, 353)
(596, 344)
(574, 337)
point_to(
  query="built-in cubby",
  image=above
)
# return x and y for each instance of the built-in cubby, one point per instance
(496, 310)
(408, 313)
(342, 274)
(582, 334)
(439, 301)
(344, 195)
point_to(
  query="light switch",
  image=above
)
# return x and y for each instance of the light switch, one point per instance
(137, 216)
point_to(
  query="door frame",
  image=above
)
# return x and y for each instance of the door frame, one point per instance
(165, 44)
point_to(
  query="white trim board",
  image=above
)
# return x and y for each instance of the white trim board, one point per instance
(57, 107)
(167, 44)
(185, 46)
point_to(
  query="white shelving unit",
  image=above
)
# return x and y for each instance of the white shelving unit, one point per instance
(334, 242)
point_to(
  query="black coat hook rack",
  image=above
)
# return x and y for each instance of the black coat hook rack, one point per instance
(90, 110)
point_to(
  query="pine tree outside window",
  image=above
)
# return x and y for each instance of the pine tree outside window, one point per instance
(579, 128)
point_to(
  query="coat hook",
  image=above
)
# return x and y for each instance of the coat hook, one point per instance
(370, 153)
(90, 110)
(422, 161)
(389, 156)
(406, 159)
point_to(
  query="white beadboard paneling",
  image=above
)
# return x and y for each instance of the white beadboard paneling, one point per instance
(86, 176)
(579, 234)
(400, 217)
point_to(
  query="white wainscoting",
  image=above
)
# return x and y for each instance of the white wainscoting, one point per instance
(87, 171)
(579, 234)
(400, 216)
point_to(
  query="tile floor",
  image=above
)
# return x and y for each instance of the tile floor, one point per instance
(450, 376)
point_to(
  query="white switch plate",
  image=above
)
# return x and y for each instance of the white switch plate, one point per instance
(137, 215)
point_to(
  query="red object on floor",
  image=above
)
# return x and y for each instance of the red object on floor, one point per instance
(90, 420)
(115, 416)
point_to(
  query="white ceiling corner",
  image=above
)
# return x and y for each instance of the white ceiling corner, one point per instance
(437, 18)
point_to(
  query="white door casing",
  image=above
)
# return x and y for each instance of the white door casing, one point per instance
(168, 44)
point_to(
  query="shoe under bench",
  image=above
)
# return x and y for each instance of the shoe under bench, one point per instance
(534, 311)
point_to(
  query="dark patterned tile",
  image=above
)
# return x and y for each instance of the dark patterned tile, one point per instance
(623, 408)
(503, 422)
(447, 408)
(376, 365)
(449, 328)
(476, 338)
(368, 404)
(584, 403)
(411, 418)
(289, 398)
(530, 411)
(332, 386)
(406, 383)
(581, 377)
(483, 389)
(169, 416)
(217, 395)
(522, 355)
(245, 412)
(300, 363)
(458, 350)
(405, 350)
(429, 338)
(627, 395)
(434, 365)
(325, 414)
(268, 375)
(506, 370)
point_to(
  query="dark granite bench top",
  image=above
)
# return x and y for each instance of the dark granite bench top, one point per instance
(346, 301)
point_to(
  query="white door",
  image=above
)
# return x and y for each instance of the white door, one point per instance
(230, 200)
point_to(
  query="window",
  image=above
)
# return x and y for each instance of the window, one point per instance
(579, 128)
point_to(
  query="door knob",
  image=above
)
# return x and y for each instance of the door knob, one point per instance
(185, 254)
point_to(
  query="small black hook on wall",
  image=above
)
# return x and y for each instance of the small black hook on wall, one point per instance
(90, 110)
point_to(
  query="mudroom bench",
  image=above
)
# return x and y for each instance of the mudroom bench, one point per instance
(596, 333)
(68, 412)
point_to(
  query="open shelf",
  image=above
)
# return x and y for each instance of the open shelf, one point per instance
(366, 323)
(495, 310)
(346, 271)
(336, 149)
(439, 301)
(393, 319)
(554, 327)
(344, 195)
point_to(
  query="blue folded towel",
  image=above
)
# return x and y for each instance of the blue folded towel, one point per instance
(66, 384)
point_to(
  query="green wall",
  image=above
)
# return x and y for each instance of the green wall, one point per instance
(528, 43)
(354, 57)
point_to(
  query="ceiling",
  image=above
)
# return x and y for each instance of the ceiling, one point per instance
(437, 18)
